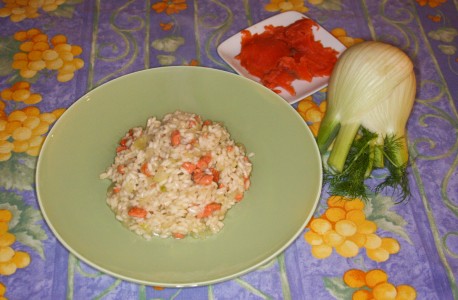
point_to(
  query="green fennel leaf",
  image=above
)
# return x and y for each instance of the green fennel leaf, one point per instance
(397, 180)
(352, 181)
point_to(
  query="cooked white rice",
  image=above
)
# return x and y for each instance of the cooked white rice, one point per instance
(156, 192)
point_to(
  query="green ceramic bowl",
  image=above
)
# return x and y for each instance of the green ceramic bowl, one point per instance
(285, 183)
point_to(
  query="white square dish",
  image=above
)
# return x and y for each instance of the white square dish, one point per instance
(231, 47)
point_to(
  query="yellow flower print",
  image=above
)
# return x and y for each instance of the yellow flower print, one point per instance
(311, 113)
(431, 3)
(11, 259)
(374, 284)
(286, 5)
(2, 291)
(316, 2)
(24, 130)
(18, 11)
(341, 35)
(38, 51)
(343, 227)
(169, 6)
(20, 92)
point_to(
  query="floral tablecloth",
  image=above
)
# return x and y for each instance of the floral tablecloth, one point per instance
(54, 51)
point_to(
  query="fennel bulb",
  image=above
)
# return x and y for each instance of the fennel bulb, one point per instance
(389, 118)
(370, 96)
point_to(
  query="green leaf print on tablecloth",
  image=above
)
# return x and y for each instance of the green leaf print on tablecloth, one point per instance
(24, 224)
(18, 172)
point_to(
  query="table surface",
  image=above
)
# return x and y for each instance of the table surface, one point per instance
(121, 37)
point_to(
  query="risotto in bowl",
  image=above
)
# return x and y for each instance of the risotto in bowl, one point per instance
(178, 176)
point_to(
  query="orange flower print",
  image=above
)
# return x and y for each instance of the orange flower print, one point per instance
(311, 113)
(193, 63)
(435, 18)
(286, 5)
(374, 284)
(2, 290)
(431, 3)
(166, 26)
(169, 6)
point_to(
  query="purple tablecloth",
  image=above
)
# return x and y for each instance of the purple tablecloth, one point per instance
(111, 38)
